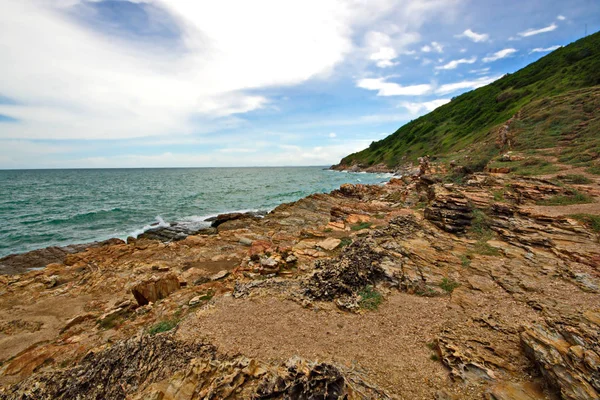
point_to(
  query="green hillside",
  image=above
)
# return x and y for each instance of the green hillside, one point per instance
(471, 117)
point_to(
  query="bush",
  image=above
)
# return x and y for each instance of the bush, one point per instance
(361, 226)
(163, 326)
(448, 285)
(370, 298)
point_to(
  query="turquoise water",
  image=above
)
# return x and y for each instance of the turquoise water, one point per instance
(40, 208)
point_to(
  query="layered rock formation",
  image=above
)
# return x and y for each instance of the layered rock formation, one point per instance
(419, 289)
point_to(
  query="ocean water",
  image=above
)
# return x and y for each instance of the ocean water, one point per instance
(40, 208)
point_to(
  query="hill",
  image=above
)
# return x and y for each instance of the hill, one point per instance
(470, 122)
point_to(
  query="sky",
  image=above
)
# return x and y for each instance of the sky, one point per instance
(181, 83)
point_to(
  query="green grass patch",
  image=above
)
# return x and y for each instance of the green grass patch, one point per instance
(591, 221)
(465, 261)
(360, 226)
(483, 248)
(163, 326)
(110, 322)
(498, 195)
(346, 241)
(565, 200)
(574, 179)
(370, 298)
(594, 169)
(448, 285)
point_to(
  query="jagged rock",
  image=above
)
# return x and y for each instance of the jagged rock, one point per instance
(329, 243)
(154, 289)
(567, 356)
(219, 275)
(19, 263)
(357, 267)
(222, 218)
(448, 210)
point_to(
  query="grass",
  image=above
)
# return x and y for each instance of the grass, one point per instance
(564, 200)
(111, 321)
(163, 326)
(448, 285)
(594, 169)
(346, 241)
(528, 167)
(498, 195)
(591, 221)
(465, 261)
(360, 226)
(483, 248)
(574, 179)
(434, 357)
(370, 298)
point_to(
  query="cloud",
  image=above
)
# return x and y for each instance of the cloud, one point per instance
(499, 55)
(332, 135)
(392, 89)
(416, 108)
(434, 46)
(98, 86)
(466, 84)
(476, 37)
(561, 17)
(480, 71)
(455, 63)
(382, 52)
(545, 50)
(532, 32)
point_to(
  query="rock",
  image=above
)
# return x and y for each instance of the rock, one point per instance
(246, 241)
(567, 357)
(449, 211)
(155, 289)
(268, 262)
(76, 321)
(291, 259)
(222, 218)
(219, 275)
(357, 267)
(20, 263)
(329, 243)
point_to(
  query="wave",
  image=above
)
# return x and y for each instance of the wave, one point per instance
(159, 223)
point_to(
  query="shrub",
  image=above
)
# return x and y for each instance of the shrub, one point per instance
(361, 226)
(370, 298)
(163, 326)
(448, 285)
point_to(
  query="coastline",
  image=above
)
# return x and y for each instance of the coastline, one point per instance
(457, 267)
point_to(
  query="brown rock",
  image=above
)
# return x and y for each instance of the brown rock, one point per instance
(155, 289)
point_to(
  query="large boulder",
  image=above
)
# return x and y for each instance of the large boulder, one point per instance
(155, 288)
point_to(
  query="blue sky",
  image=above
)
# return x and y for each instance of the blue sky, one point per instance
(160, 83)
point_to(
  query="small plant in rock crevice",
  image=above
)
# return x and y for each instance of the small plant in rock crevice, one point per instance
(370, 298)
(448, 285)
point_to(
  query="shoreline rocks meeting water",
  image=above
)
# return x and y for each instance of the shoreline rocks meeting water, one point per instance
(420, 288)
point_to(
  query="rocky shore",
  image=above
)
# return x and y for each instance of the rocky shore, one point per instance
(423, 288)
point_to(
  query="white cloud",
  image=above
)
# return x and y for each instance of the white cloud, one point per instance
(544, 50)
(455, 63)
(416, 108)
(433, 46)
(467, 84)
(332, 135)
(480, 71)
(561, 17)
(532, 32)
(381, 51)
(499, 55)
(392, 89)
(74, 82)
(474, 36)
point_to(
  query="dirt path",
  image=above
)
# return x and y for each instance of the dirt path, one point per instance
(391, 347)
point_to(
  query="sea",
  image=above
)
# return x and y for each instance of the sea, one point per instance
(41, 208)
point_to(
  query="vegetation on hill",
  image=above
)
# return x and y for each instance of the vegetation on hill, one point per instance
(470, 118)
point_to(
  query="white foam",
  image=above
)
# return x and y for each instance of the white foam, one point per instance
(161, 224)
